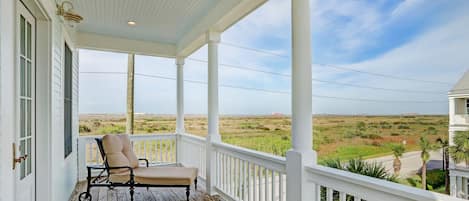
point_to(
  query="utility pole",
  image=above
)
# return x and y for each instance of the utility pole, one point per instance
(130, 94)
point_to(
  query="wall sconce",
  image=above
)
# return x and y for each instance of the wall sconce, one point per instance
(65, 10)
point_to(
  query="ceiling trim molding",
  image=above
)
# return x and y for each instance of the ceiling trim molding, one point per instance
(116, 44)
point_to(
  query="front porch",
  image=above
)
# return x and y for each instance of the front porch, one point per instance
(243, 174)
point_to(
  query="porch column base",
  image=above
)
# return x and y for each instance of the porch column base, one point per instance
(210, 174)
(298, 188)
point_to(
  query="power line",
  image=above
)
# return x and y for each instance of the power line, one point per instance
(323, 81)
(254, 49)
(382, 75)
(337, 67)
(273, 91)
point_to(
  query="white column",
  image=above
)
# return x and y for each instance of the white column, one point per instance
(452, 113)
(301, 154)
(179, 109)
(180, 95)
(213, 136)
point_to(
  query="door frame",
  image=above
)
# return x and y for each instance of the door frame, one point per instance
(43, 98)
(29, 180)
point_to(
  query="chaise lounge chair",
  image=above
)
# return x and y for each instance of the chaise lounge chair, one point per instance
(122, 170)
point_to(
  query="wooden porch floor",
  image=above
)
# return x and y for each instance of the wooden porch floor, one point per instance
(142, 194)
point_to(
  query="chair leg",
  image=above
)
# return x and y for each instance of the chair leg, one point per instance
(195, 183)
(131, 193)
(188, 192)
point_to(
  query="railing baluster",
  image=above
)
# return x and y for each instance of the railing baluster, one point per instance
(249, 180)
(342, 196)
(160, 149)
(96, 151)
(260, 182)
(280, 187)
(238, 175)
(330, 192)
(90, 153)
(266, 184)
(244, 181)
(145, 148)
(273, 185)
(254, 182)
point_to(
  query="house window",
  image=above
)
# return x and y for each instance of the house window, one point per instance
(68, 146)
(467, 106)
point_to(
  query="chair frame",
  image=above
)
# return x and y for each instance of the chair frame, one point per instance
(99, 182)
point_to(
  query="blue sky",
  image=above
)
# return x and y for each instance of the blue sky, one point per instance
(415, 39)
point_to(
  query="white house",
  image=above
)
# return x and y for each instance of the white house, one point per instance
(459, 106)
(459, 121)
(42, 155)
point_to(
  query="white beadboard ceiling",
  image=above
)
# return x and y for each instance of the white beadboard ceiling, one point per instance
(177, 23)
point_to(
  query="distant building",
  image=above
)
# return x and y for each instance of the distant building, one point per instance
(459, 121)
(459, 106)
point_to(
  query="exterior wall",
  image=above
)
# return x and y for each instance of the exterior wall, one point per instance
(64, 170)
(62, 173)
(7, 94)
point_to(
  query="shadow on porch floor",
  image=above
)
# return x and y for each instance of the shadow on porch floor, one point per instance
(142, 194)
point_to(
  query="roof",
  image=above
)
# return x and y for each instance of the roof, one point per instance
(167, 28)
(462, 86)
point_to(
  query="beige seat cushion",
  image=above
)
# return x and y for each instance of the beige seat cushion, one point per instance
(158, 176)
(119, 152)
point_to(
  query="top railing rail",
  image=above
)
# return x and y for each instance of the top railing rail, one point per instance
(367, 188)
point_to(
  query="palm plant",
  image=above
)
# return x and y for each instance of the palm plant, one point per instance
(444, 145)
(425, 147)
(359, 166)
(397, 150)
(460, 151)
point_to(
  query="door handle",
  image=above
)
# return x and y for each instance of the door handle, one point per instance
(19, 159)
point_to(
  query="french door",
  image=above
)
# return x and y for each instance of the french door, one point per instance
(24, 146)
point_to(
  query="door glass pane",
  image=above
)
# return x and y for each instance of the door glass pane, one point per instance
(28, 79)
(28, 160)
(28, 118)
(29, 40)
(22, 21)
(22, 76)
(22, 152)
(22, 118)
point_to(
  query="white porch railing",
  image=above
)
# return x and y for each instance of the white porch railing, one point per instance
(459, 182)
(247, 175)
(461, 119)
(192, 152)
(333, 184)
(159, 149)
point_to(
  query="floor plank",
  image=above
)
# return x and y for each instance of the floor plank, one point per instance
(142, 194)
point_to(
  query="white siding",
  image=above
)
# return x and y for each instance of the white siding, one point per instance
(7, 94)
(64, 169)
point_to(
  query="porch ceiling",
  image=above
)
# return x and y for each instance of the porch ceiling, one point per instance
(164, 27)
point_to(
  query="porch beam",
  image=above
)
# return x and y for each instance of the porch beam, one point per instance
(213, 39)
(301, 153)
(116, 44)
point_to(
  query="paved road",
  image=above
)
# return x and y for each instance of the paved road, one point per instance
(411, 162)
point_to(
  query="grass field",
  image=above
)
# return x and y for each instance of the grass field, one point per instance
(341, 137)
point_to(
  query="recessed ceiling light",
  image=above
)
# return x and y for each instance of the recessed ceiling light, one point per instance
(131, 23)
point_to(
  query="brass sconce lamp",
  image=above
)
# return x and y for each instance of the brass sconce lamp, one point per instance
(65, 9)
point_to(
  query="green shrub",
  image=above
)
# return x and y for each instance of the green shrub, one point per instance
(112, 129)
(432, 130)
(84, 129)
(435, 178)
(403, 127)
